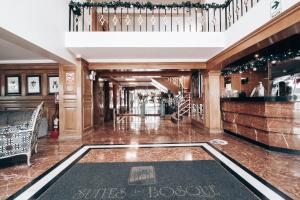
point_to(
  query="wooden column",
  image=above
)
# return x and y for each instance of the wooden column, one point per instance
(212, 101)
(128, 99)
(115, 95)
(87, 99)
(70, 102)
(76, 101)
(106, 101)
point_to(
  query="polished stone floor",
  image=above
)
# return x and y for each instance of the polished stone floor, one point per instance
(281, 170)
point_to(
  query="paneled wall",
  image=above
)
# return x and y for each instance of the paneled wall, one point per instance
(25, 101)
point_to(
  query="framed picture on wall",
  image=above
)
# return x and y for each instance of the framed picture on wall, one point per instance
(34, 85)
(13, 85)
(53, 84)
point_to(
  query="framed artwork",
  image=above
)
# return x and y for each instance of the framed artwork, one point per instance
(13, 85)
(53, 84)
(34, 85)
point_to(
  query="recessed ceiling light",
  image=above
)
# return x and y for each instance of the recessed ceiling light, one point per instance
(130, 79)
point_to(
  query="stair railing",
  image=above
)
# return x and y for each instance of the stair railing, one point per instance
(184, 106)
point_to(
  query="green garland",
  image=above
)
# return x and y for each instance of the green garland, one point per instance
(76, 6)
(262, 61)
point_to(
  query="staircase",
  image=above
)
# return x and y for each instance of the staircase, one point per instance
(166, 85)
(183, 109)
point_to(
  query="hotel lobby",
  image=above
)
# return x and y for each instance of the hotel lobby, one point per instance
(145, 100)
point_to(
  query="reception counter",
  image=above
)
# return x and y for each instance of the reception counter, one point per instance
(272, 122)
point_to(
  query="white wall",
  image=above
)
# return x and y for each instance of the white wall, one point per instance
(41, 22)
(255, 18)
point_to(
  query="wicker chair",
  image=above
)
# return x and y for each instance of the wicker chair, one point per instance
(21, 138)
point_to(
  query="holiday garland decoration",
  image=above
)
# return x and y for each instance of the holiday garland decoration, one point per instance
(76, 6)
(262, 61)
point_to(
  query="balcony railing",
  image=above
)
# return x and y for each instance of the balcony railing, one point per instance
(186, 17)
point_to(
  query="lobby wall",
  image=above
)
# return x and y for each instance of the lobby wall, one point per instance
(24, 101)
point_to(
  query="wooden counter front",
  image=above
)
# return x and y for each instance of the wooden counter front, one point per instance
(271, 123)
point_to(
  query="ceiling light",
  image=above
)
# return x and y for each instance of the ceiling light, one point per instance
(273, 62)
(130, 79)
(132, 83)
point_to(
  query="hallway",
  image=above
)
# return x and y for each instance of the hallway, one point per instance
(153, 130)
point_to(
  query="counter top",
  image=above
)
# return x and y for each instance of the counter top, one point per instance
(264, 99)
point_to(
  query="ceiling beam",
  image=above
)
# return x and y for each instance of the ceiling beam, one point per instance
(143, 73)
(148, 65)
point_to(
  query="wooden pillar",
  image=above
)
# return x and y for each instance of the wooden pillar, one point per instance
(76, 101)
(212, 102)
(106, 89)
(87, 99)
(127, 99)
(115, 95)
(70, 104)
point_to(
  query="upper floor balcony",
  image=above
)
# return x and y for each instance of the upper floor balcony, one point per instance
(121, 31)
(119, 16)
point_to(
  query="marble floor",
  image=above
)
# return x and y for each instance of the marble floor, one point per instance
(280, 170)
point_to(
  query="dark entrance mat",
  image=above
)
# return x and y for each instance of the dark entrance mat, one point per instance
(180, 180)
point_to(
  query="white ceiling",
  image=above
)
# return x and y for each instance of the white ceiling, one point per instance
(144, 54)
(11, 53)
(145, 46)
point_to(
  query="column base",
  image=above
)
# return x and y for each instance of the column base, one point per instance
(215, 130)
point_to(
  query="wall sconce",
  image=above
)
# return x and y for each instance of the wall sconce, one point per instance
(92, 75)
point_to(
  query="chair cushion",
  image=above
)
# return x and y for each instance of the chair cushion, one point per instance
(17, 116)
(3, 117)
(43, 129)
